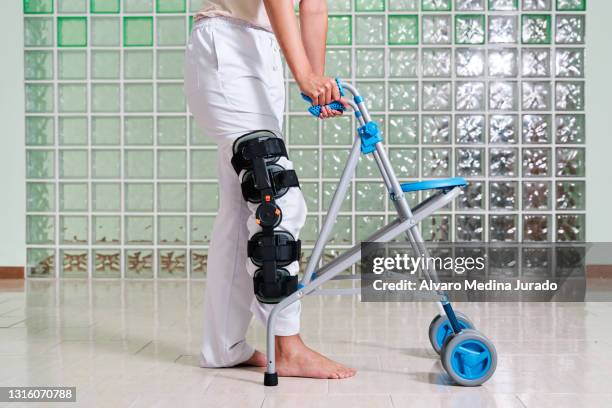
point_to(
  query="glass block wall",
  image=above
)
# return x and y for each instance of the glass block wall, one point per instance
(121, 183)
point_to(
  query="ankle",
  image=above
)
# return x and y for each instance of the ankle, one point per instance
(289, 346)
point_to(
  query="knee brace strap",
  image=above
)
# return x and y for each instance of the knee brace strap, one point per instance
(280, 179)
(260, 144)
(281, 248)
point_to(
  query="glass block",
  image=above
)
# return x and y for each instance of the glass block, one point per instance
(71, 64)
(170, 64)
(337, 131)
(536, 62)
(37, 6)
(196, 136)
(105, 31)
(73, 164)
(342, 232)
(105, 65)
(72, 98)
(305, 162)
(172, 264)
(570, 162)
(536, 96)
(570, 195)
(170, 98)
(339, 30)
(503, 5)
(41, 197)
(571, 227)
(40, 263)
(370, 196)
(436, 5)
(570, 129)
(536, 129)
(366, 225)
(503, 62)
(303, 130)
(171, 164)
(436, 29)
(139, 263)
(469, 228)
(374, 93)
(403, 129)
(38, 65)
(138, 97)
(338, 63)
(328, 191)
(104, 6)
(40, 229)
(369, 30)
(106, 197)
(171, 31)
(105, 130)
(469, 96)
(404, 161)
(333, 162)
(205, 197)
(469, 162)
(140, 6)
(472, 197)
(469, 62)
(503, 195)
(138, 130)
(199, 263)
(571, 5)
(138, 64)
(569, 62)
(72, 6)
(403, 96)
(171, 130)
(105, 98)
(436, 62)
(204, 164)
(469, 5)
(502, 228)
(436, 129)
(570, 29)
(310, 231)
(338, 5)
(503, 95)
(72, 31)
(536, 162)
(403, 62)
(106, 263)
(139, 164)
(469, 128)
(40, 164)
(201, 229)
(403, 5)
(469, 29)
(73, 230)
(436, 163)
(39, 130)
(172, 197)
(172, 230)
(139, 197)
(536, 195)
(311, 195)
(370, 63)
(536, 228)
(74, 263)
(436, 96)
(106, 164)
(536, 28)
(137, 31)
(73, 197)
(537, 5)
(171, 6)
(38, 98)
(38, 32)
(436, 228)
(503, 163)
(503, 29)
(139, 230)
(403, 29)
(569, 96)
(72, 131)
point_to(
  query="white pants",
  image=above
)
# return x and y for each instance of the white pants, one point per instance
(234, 85)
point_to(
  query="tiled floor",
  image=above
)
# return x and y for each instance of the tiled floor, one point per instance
(134, 344)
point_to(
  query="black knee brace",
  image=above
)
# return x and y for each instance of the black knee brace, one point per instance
(262, 182)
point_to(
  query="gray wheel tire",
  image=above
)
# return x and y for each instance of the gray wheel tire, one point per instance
(437, 322)
(468, 334)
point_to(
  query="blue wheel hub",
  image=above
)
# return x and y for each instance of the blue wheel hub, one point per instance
(471, 359)
(446, 329)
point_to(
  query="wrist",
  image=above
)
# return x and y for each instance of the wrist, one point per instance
(301, 74)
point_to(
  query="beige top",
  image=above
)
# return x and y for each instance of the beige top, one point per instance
(251, 11)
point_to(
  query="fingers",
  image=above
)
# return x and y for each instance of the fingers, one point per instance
(335, 92)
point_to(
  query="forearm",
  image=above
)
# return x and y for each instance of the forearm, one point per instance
(313, 26)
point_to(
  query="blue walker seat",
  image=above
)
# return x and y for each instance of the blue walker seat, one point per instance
(439, 184)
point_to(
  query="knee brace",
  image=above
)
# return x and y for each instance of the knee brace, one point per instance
(263, 181)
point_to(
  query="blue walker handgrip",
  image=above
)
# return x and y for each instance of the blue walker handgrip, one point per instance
(315, 110)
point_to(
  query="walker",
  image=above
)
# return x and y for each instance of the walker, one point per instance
(467, 355)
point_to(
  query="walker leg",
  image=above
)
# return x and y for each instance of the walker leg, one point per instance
(271, 377)
(452, 319)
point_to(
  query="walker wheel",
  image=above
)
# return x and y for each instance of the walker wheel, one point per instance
(440, 329)
(469, 358)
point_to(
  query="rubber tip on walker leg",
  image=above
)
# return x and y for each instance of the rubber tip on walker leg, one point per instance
(270, 380)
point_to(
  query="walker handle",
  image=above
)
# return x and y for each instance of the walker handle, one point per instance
(315, 110)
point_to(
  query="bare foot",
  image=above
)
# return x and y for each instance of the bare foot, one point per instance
(294, 359)
(258, 359)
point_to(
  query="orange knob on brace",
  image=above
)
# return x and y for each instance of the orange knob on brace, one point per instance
(257, 221)
(277, 211)
(268, 198)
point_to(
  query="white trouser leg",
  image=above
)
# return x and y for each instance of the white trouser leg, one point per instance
(234, 85)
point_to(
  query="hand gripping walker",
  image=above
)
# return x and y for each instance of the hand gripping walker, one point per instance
(467, 355)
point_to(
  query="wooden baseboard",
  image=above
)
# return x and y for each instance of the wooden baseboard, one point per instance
(599, 271)
(12, 272)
